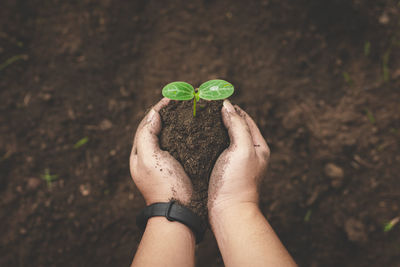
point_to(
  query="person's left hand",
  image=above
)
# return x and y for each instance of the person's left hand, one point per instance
(158, 175)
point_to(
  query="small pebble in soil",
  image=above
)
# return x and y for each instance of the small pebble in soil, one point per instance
(22, 231)
(336, 174)
(33, 183)
(355, 230)
(384, 19)
(105, 125)
(84, 189)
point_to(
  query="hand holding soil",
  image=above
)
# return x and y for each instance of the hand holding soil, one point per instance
(234, 178)
(157, 174)
(243, 234)
(238, 170)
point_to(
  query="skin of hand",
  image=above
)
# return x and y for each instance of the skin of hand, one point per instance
(158, 175)
(238, 171)
(160, 178)
(244, 236)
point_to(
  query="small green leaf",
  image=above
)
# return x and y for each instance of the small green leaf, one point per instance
(370, 116)
(367, 48)
(308, 216)
(389, 225)
(11, 60)
(178, 91)
(215, 90)
(49, 178)
(81, 142)
(386, 73)
(347, 78)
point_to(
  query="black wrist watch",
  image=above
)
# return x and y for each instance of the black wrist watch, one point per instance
(173, 212)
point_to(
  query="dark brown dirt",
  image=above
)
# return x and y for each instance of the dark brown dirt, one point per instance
(196, 142)
(301, 69)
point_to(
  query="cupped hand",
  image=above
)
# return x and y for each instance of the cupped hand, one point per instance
(158, 175)
(236, 175)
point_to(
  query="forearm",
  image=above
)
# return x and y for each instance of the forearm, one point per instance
(165, 243)
(245, 238)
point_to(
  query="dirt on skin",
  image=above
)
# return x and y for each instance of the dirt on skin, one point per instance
(196, 142)
(320, 78)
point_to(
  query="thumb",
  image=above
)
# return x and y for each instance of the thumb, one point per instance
(238, 130)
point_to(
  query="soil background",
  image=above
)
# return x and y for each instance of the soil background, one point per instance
(321, 79)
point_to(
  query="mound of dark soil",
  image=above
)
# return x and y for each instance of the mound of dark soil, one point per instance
(196, 142)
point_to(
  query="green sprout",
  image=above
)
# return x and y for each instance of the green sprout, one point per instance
(347, 78)
(389, 225)
(211, 90)
(11, 60)
(370, 116)
(49, 178)
(367, 48)
(81, 142)
(308, 216)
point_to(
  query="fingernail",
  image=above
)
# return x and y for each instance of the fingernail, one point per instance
(228, 106)
(166, 100)
(151, 115)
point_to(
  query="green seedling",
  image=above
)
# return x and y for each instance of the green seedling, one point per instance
(367, 48)
(370, 116)
(211, 90)
(347, 78)
(81, 142)
(11, 60)
(49, 178)
(5, 156)
(389, 225)
(307, 217)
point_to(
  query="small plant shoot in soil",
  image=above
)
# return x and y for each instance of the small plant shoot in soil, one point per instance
(81, 142)
(49, 178)
(211, 90)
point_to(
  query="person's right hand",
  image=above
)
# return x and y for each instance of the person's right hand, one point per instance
(237, 173)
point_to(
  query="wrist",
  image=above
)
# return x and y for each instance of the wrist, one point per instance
(170, 230)
(173, 211)
(225, 213)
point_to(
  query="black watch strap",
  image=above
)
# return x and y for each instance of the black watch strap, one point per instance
(173, 212)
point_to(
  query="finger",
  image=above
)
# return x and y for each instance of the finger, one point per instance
(146, 137)
(161, 104)
(237, 127)
(157, 107)
(258, 139)
(256, 135)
